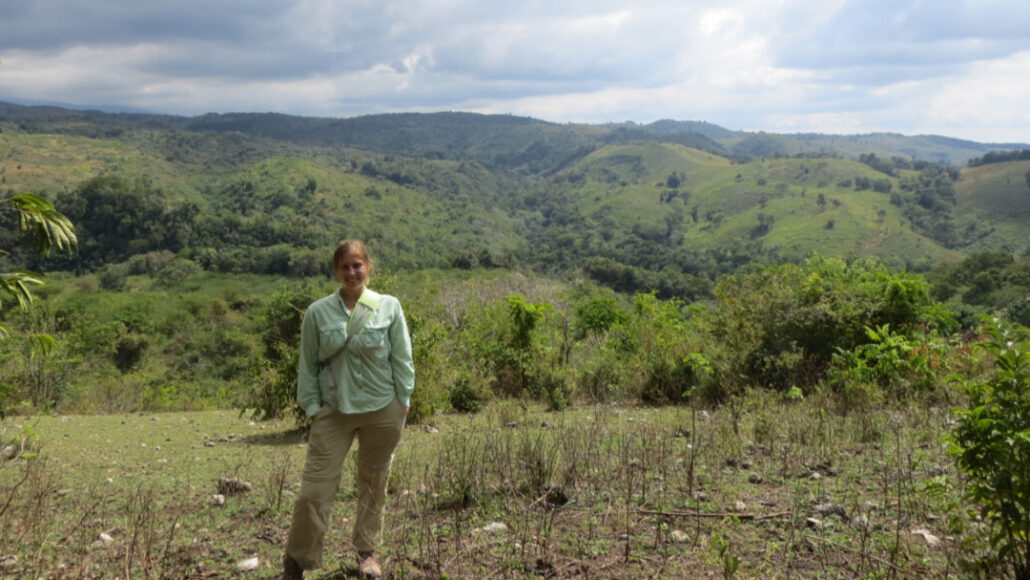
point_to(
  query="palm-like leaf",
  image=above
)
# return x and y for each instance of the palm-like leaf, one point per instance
(48, 227)
(17, 284)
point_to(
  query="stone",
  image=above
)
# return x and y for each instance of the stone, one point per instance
(832, 509)
(930, 539)
(493, 528)
(739, 506)
(217, 500)
(104, 538)
(754, 478)
(679, 536)
(248, 565)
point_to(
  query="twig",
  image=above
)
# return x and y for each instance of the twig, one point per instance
(895, 567)
(695, 514)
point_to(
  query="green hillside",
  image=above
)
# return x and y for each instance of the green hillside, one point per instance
(996, 199)
(265, 193)
(688, 199)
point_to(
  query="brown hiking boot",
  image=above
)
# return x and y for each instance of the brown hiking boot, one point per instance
(292, 569)
(368, 568)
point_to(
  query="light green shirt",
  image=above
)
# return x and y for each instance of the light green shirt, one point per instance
(375, 367)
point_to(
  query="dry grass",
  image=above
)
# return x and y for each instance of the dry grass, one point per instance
(595, 492)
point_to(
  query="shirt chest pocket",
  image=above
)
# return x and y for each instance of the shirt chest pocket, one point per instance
(331, 337)
(373, 341)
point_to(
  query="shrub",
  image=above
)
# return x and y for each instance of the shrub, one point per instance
(464, 398)
(892, 364)
(781, 325)
(991, 442)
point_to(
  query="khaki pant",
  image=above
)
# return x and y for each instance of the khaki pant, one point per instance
(332, 433)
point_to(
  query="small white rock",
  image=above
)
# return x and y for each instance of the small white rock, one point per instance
(109, 480)
(105, 538)
(248, 565)
(493, 528)
(930, 539)
(679, 536)
(216, 500)
(739, 506)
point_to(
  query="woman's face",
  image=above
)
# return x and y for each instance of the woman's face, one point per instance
(351, 271)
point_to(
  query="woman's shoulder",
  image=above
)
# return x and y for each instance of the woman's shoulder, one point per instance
(381, 298)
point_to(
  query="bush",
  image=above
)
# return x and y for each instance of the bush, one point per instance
(464, 398)
(780, 326)
(991, 442)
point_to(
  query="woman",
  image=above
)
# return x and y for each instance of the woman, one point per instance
(355, 380)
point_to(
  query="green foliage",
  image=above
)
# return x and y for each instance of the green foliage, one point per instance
(780, 326)
(892, 365)
(991, 443)
(40, 222)
(280, 320)
(597, 316)
(464, 398)
(1000, 157)
(47, 228)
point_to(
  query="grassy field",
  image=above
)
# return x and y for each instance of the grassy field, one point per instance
(765, 489)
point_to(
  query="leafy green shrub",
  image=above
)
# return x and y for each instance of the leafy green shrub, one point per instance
(464, 398)
(892, 364)
(991, 442)
(780, 326)
(281, 316)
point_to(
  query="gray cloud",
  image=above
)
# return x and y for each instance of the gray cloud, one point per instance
(804, 63)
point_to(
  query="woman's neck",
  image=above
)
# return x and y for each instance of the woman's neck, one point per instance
(350, 298)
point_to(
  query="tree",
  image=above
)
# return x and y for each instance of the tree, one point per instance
(47, 228)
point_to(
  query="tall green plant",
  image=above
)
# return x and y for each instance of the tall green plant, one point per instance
(991, 442)
(280, 321)
(47, 228)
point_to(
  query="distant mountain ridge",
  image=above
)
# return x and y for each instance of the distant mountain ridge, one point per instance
(504, 141)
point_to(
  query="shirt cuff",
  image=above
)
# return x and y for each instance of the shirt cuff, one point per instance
(312, 409)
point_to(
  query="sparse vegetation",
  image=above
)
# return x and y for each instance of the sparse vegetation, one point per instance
(645, 383)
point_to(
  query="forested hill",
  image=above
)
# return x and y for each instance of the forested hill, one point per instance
(501, 141)
(666, 206)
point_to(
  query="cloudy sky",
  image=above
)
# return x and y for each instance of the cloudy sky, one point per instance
(951, 67)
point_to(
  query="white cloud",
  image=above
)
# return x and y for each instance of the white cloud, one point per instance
(992, 97)
(951, 67)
